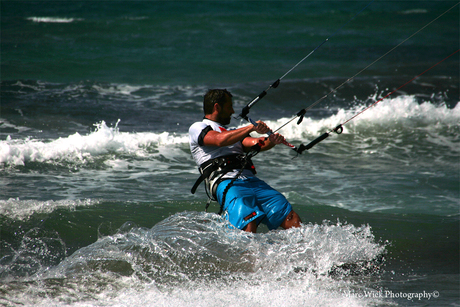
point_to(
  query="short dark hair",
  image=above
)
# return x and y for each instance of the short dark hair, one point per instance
(214, 96)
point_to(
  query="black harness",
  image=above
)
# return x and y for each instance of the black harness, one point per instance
(218, 167)
(213, 170)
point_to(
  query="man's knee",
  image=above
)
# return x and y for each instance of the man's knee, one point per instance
(291, 220)
(251, 227)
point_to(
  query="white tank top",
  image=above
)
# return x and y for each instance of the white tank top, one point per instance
(203, 153)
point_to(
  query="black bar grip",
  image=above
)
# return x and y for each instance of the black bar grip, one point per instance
(312, 143)
(253, 102)
(245, 110)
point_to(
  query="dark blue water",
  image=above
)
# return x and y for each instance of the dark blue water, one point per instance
(193, 42)
(96, 101)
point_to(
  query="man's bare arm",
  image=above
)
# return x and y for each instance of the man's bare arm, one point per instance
(227, 138)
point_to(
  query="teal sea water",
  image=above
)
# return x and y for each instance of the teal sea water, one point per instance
(96, 171)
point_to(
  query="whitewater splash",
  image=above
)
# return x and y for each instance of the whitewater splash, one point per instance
(403, 111)
(402, 114)
(195, 258)
(80, 149)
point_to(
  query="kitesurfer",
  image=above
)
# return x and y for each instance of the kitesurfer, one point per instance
(219, 151)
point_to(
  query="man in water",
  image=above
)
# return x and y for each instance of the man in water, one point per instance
(246, 200)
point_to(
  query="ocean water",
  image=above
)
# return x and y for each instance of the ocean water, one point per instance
(96, 101)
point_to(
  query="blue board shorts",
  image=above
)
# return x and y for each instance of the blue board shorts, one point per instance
(252, 199)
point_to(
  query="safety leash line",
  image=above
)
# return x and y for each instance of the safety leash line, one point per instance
(339, 128)
(302, 112)
(325, 41)
(400, 87)
(245, 110)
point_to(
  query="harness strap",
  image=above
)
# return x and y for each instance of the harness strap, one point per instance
(222, 165)
(246, 159)
(206, 171)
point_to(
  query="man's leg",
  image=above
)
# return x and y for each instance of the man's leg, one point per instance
(291, 220)
(251, 227)
(240, 207)
(276, 207)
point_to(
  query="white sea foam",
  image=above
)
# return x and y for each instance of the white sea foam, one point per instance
(118, 89)
(414, 11)
(54, 19)
(15, 208)
(404, 111)
(5, 124)
(78, 148)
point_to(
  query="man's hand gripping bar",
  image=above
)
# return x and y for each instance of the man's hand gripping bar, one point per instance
(270, 133)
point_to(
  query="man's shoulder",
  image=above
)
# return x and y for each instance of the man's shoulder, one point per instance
(205, 123)
(196, 129)
(197, 125)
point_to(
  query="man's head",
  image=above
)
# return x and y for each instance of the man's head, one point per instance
(218, 102)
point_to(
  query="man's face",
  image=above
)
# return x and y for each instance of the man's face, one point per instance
(226, 111)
